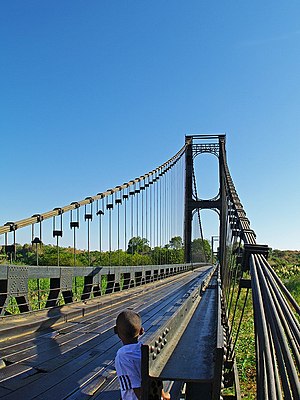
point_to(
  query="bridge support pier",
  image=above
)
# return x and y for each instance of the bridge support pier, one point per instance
(188, 209)
(191, 201)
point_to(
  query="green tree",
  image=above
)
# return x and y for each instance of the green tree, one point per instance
(201, 250)
(138, 245)
(176, 243)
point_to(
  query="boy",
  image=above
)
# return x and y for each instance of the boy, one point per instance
(128, 358)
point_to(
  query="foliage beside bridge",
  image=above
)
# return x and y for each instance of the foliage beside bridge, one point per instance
(287, 266)
(245, 351)
(138, 253)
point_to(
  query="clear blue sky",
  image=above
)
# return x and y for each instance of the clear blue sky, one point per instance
(94, 93)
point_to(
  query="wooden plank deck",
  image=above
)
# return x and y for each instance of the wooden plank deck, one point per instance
(70, 356)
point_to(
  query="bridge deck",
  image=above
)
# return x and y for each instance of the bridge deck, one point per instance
(193, 357)
(67, 356)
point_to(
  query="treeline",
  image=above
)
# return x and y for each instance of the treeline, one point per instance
(138, 253)
(286, 263)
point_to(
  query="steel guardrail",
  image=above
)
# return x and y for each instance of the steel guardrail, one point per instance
(62, 282)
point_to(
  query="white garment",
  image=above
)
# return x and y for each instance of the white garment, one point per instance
(128, 367)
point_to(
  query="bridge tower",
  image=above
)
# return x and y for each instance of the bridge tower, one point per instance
(196, 145)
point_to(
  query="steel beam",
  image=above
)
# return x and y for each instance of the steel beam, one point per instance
(188, 208)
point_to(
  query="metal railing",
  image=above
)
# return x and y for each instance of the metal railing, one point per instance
(27, 288)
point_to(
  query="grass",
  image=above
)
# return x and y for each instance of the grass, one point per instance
(244, 346)
(293, 286)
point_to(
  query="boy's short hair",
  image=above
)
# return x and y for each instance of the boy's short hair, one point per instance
(129, 323)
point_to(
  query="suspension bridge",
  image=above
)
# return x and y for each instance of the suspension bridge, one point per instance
(144, 250)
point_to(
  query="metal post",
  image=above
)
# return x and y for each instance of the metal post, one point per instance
(223, 208)
(37, 241)
(57, 251)
(74, 244)
(37, 254)
(188, 198)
